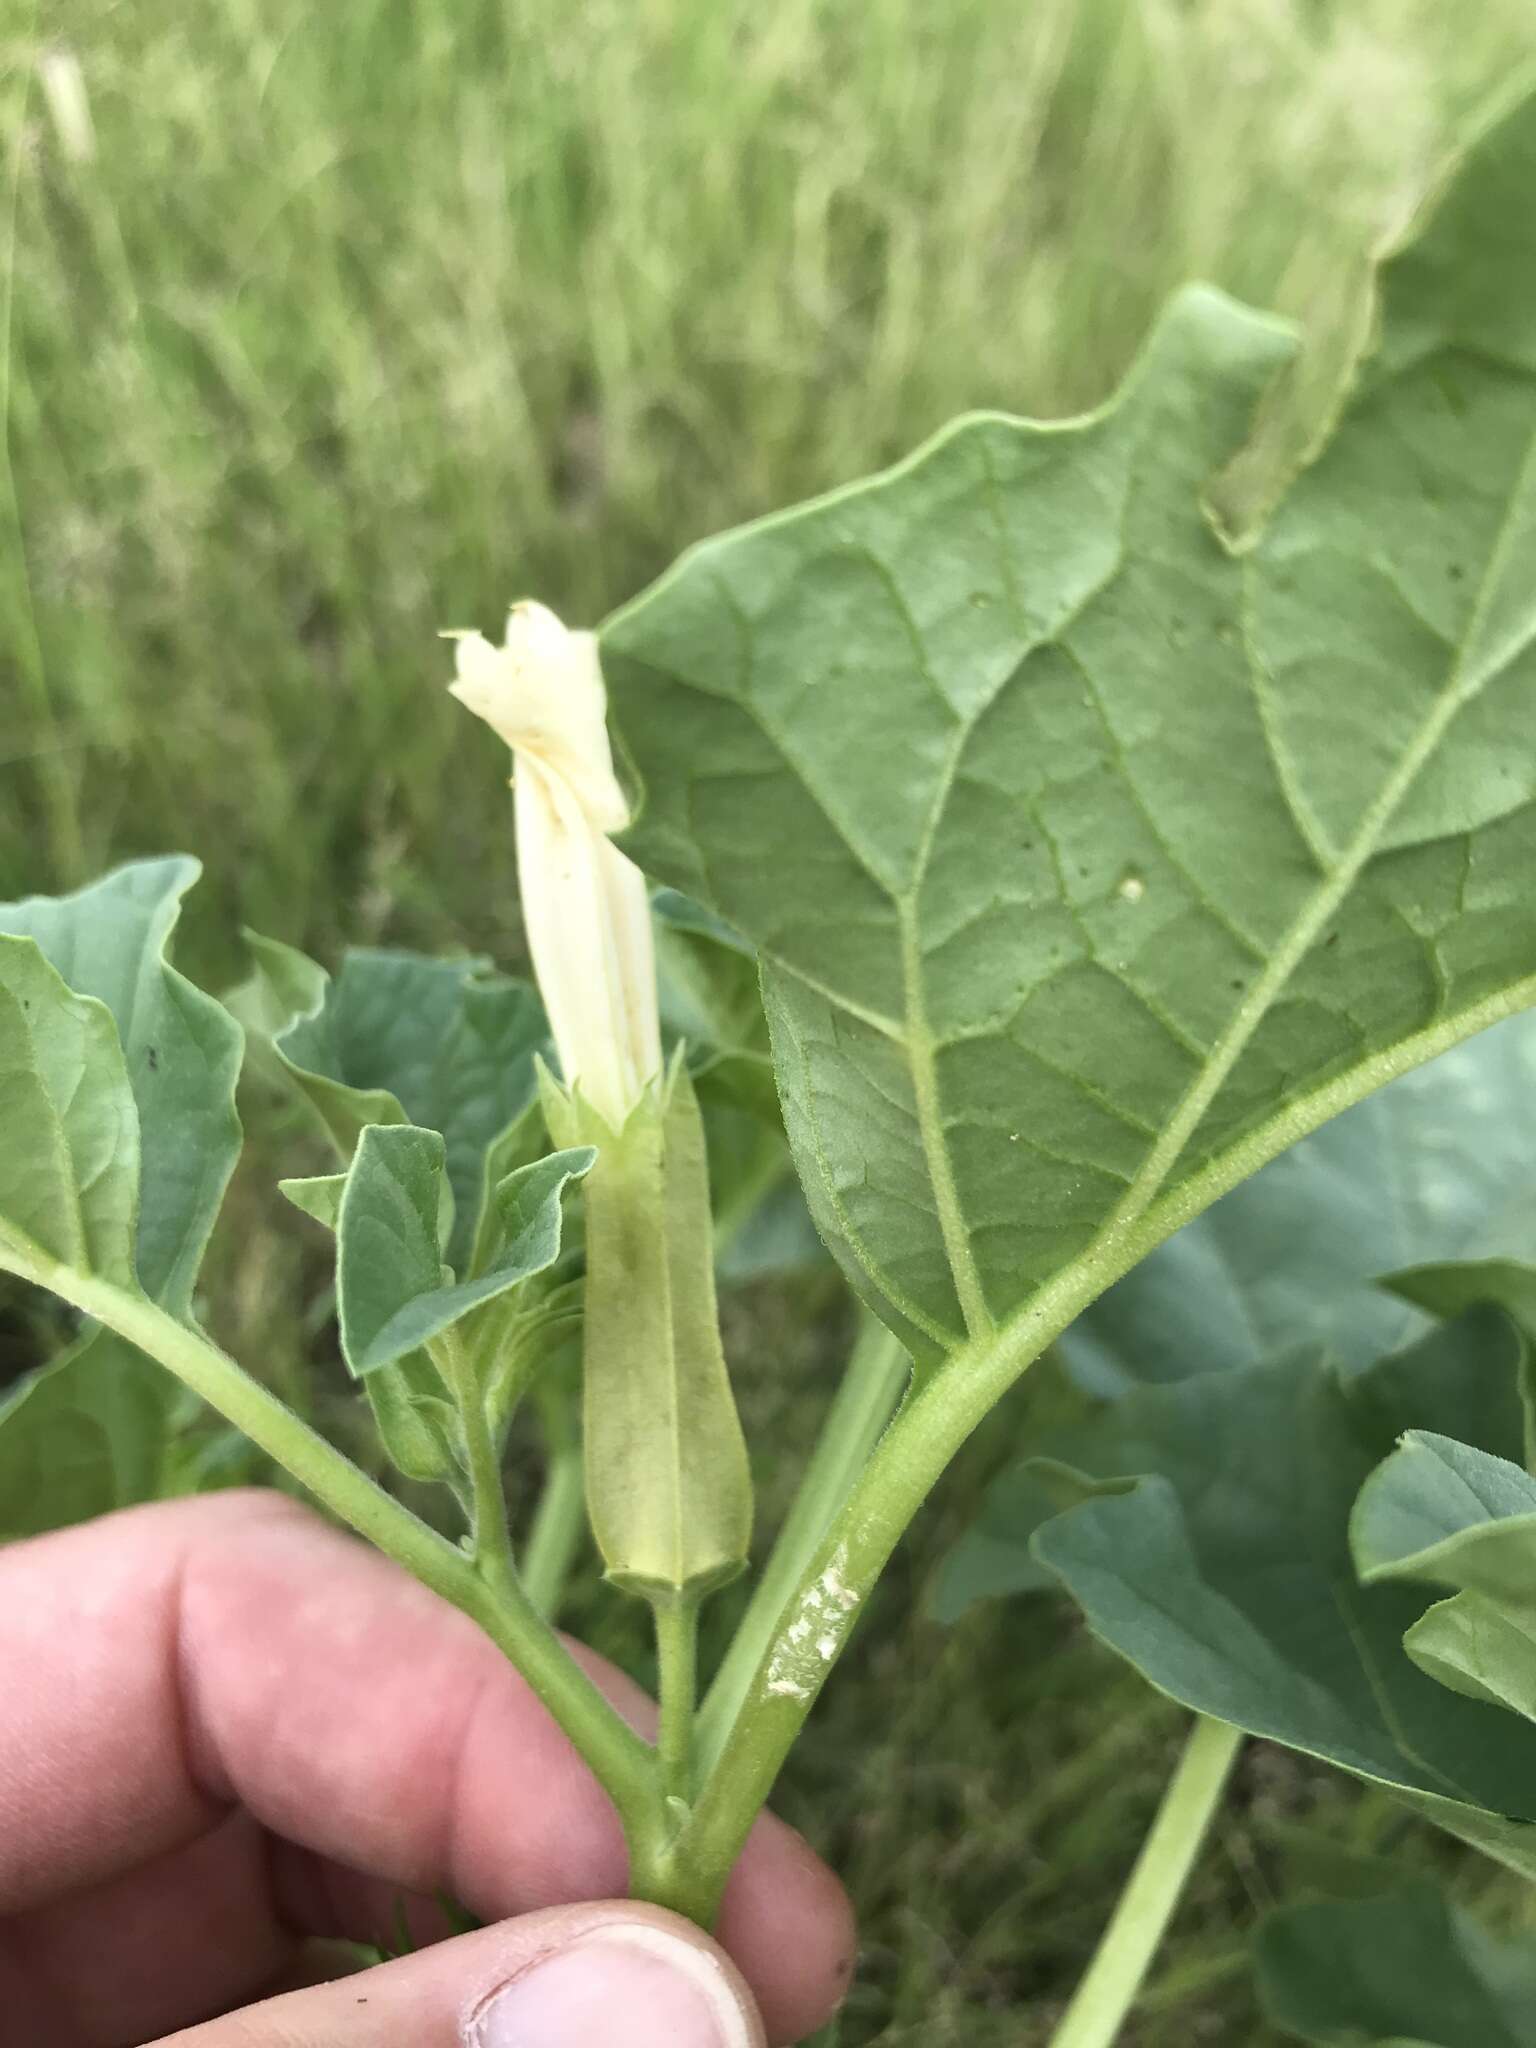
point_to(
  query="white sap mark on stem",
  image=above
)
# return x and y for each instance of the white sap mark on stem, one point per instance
(815, 1634)
(1132, 888)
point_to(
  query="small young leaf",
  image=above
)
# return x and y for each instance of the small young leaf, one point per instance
(393, 1291)
(1403, 1970)
(319, 1196)
(399, 1038)
(283, 986)
(411, 1406)
(417, 1421)
(1446, 1514)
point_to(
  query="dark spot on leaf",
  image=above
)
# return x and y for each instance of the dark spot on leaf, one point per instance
(153, 1056)
(1332, 939)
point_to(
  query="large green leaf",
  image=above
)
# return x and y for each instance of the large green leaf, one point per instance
(1227, 1579)
(393, 1293)
(1405, 1970)
(96, 1430)
(1439, 1165)
(399, 1038)
(1090, 863)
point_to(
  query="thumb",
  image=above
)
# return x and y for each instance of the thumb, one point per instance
(572, 1977)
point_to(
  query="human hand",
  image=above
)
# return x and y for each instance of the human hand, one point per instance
(228, 1730)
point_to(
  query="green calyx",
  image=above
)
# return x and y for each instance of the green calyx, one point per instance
(669, 1489)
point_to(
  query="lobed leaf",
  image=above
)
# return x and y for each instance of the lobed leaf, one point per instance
(393, 1292)
(397, 1038)
(1090, 862)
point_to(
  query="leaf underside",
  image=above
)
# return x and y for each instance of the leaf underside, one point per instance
(1091, 862)
(1439, 1165)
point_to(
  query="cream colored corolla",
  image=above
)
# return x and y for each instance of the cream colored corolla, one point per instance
(584, 903)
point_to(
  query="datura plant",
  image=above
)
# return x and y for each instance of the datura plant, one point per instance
(1032, 861)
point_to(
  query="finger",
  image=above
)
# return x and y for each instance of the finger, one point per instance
(189, 1933)
(570, 1977)
(236, 1651)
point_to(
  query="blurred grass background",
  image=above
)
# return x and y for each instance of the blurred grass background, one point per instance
(322, 328)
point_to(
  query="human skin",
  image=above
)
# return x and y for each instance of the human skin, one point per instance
(229, 1731)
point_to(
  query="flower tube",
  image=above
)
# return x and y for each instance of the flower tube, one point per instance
(584, 904)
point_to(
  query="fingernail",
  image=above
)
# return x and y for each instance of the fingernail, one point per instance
(616, 1987)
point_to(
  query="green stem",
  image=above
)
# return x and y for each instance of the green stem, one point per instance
(618, 1757)
(1120, 1963)
(489, 1532)
(555, 1537)
(677, 1651)
(935, 1420)
(877, 1375)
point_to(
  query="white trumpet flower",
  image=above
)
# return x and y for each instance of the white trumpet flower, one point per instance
(584, 904)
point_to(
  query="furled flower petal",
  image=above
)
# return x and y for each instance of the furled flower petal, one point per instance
(542, 690)
(584, 904)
